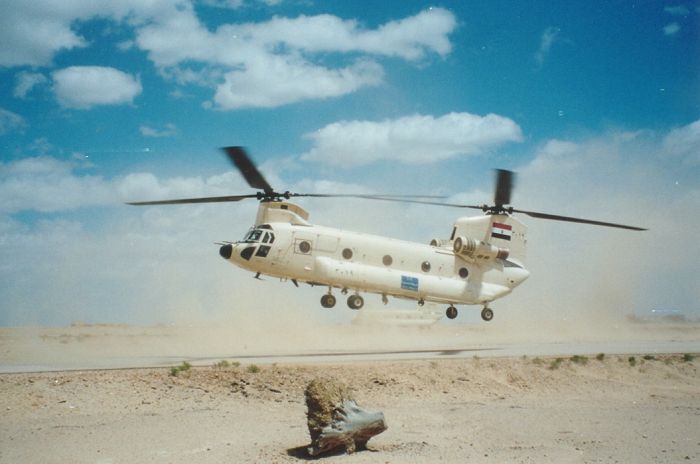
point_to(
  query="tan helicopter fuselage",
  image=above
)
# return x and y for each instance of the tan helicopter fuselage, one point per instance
(482, 261)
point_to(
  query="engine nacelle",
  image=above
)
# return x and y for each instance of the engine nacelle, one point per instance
(441, 243)
(476, 249)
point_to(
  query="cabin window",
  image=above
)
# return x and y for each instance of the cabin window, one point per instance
(387, 260)
(347, 253)
(304, 246)
(463, 272)
(425, 266)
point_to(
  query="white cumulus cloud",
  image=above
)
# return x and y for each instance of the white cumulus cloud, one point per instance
(83, 87)
(276, 62)
(684, 142)
(410, 139)
(26, 81)
(168, 130)
(33, 32)
(31, 35)
(10, 121)
(46, 184)
(229, 59)
(275, 81)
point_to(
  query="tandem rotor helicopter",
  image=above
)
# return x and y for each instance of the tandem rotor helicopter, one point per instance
(483, 259)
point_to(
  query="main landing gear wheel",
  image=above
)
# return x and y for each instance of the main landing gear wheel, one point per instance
(328, 301)
(451, 312)
(355, 301)
(487, 314)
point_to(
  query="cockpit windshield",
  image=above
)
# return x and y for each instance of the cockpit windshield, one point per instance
(258, 235)
(253, 236)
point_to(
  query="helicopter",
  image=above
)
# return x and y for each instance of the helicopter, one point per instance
(483, 259)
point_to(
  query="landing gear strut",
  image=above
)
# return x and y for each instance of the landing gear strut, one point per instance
(451, 312)
(487, 313)
(355, 301)
(328, 300)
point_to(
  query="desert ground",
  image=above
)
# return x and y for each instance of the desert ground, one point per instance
(547, 405)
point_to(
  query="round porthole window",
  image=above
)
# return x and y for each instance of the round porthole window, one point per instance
(387, 260)
(347, 253)
(304, 246)
(425, 266)
(463, 272)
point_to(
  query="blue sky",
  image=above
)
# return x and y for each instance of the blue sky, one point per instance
(595, 104)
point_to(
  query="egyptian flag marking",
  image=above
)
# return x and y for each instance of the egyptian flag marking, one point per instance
(502, 231)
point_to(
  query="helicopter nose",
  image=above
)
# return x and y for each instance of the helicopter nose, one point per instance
(226, 251)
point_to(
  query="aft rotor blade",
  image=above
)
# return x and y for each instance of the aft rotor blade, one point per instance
(183, 201)
(504, 185)
(244, 164)
(555, 217)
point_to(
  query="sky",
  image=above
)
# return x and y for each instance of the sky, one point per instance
(595, 104)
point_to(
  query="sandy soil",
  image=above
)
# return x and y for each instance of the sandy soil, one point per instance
(464, 410)
(113, 346)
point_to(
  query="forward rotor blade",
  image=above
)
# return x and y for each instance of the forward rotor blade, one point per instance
(244, 164)
(377, 196)
(504, 185)
(183, 201)
(395, 198)
(555, 217)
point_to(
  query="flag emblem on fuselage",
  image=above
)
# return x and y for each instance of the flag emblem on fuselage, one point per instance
(502, 231)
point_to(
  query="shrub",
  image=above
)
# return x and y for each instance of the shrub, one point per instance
(555, 364)
(253, 369)
(687, 357)
(632, 360)
(175, 370)
(576, 359)
(600, 357)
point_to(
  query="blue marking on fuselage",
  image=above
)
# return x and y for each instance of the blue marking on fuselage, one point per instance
(409, 283)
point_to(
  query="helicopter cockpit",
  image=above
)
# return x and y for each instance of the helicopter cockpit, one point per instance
(261, 234)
